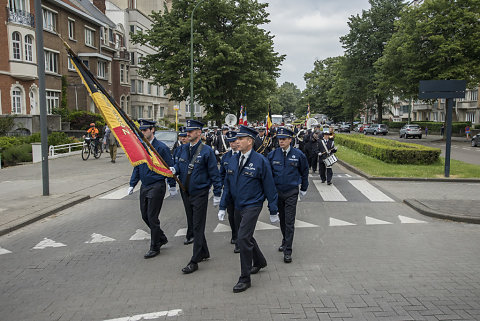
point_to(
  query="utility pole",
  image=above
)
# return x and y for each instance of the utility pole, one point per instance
(191, 60)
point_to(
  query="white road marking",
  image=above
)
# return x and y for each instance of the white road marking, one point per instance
(265, 226)
(370, 191)
(119, 193)
(99, 238)
(409, 220)
(329, 193)
(47, 243)
(337, 222)
(348, 175)
(374, 221)
(181, 232)
(149, 316)
(299, 224)
(4, 251)
(222, 228)
(140, 235)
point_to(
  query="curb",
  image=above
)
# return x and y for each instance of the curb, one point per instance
(422, 209)
(413, 179)
(44, 213)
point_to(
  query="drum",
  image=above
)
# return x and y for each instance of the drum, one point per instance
(330, 160)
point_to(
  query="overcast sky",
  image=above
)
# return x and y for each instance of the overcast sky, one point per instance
(307, 30)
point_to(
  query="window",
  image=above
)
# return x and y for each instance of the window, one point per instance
(149, 112)
(53, 99)
(140, 111)
(132, 86)
(70, 64)
(16, 101)
(127, 71)
(103, 36)
(162, 112)
(132, 58)
(118, 41)
(16, 45)
(122, 103)
(475, 95)
(51, 61)
(28, 48)
(132, 28)
(110, 35)
(470, 117)
(158, 90)
(140, 86)
(435, 116)
(89, 37)
(122, 70)
(49, 20)
(85, 62)
(132, 4)
(16, 5)
(140, 57)
(71, 29)
(149, 88)
(102, 69)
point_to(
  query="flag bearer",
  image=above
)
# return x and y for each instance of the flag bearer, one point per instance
(290, 169)
(153, 189)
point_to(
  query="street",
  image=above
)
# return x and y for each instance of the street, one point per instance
(359, 254)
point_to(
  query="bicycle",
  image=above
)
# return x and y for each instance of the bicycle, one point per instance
(89, 148)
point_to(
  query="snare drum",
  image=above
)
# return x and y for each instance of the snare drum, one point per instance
(330, 160)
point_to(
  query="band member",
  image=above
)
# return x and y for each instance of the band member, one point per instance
(221, 144)
(233, 219)
(326, 148)
(290, 169)
(248, 182)
(182, 139)
(153, 189)
(263, 143)
(197, 170)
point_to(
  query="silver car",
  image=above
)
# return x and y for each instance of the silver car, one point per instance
(410, 130)
(476, 140)
(376, 129)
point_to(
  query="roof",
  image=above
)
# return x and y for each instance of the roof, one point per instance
(71, 6)
(91, 9)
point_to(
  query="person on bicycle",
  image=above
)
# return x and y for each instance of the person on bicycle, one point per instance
(92, 132)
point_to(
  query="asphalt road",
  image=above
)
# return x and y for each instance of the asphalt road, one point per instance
(359, 254)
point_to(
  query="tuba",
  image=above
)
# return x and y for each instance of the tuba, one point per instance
(231, 120)
(311, 122)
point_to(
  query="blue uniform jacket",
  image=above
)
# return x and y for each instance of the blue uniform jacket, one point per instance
(224, 164)
(205, 172)
(290, 171)
(143, 173)
(250, 187)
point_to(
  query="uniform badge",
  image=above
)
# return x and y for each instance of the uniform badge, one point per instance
(250, 165)
(293, 156)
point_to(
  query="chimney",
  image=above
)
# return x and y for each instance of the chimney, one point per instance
(100, 4)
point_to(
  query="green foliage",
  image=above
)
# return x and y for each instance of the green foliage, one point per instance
(6, 124)
(235, 62)
(389, 151)
(287, 98)
(17, 154)
(437, 40)
(82, 119)
(59, 138)
(172, 125)
(457, 127)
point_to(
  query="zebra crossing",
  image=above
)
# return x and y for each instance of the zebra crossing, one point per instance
(141, 235)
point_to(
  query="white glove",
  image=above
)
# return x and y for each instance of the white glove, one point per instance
(274, 218)
(173, 170)
(217, 152)
(302, 194)
(172, 190)
(130, 190)
(216, 201)
(221, 215)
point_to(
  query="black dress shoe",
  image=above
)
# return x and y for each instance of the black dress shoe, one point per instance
(162, 243)
(190, 268)
(323, 181)
(255, 269)
(205, 258)
(233, 241)
(151, 254)
(241, 286)
(287, 258)
(188, 241)
(236, 250)
(329, 183)
(281, 248)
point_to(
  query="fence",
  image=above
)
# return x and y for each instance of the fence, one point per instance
(55, 151)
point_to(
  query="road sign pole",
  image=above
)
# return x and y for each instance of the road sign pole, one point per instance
(449, 103)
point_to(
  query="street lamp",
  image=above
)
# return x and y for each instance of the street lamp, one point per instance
(191, 60)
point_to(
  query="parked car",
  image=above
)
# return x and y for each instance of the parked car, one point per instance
(345, 128)
(376, 129)
(410, 130)
(358, 127)
(168, 137)
(476, 140)
(363, 127)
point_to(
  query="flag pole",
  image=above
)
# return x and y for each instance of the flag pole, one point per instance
(130, 123)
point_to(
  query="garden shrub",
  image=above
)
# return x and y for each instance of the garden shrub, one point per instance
(80, 120)
(17, 154)
(388, 150)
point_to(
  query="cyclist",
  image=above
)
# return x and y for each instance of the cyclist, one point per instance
(92, 132)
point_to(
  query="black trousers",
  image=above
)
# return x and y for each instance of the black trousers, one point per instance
(188, 213)
(287, 210)
(233, 219)
(326, 173)
(197, 204)
(151, 200)
(250, 253)
(314, 161)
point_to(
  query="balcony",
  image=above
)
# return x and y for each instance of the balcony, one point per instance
(21, 17)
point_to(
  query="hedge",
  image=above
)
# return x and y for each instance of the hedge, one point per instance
(390, 151)
(457, 127)
(82, 119)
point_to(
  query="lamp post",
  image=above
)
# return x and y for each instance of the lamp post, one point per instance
(176, 108)
(191, 60)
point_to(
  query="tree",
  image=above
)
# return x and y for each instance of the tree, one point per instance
(364, 45)
(235, 63)
(287, 97)
(437, 40)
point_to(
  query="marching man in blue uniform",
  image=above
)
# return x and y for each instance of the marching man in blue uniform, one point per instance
(153, 189)
(248, 182)
(290, 169)
(197, 170)
(233, 219)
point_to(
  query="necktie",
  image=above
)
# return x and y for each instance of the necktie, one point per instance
(242, 160)
(190, 152)
(285, 154)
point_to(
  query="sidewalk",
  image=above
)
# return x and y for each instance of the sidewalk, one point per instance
(71, 179)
